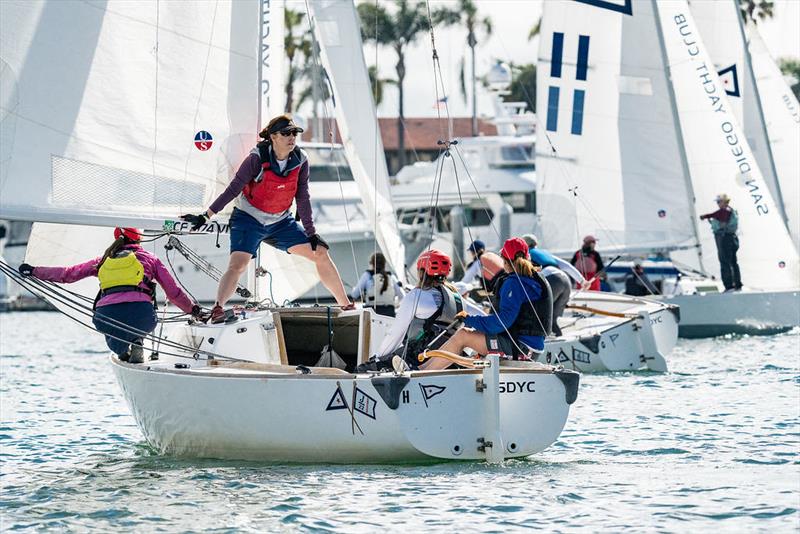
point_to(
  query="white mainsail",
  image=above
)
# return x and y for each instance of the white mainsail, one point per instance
(781, 113)
(603, 91)
(123, 113)
(723, 34)
(719, 157)
(338, 31)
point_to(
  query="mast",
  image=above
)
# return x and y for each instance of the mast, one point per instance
(761, 120)
(679, 134)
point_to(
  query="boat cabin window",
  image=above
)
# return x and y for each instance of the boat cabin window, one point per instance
(511, 157)
(328, 165)
(521, 202)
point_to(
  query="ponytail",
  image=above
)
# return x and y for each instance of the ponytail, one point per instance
(521, 265)
(114, 248)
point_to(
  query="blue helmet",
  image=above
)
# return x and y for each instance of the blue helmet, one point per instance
(477, 246)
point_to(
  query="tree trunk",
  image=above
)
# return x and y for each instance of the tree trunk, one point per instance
(401, 129)
(474, 94)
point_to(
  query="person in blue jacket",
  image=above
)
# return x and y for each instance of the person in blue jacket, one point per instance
(522, 312)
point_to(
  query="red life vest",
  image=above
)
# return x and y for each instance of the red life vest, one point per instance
(587, 266)
(272, 192)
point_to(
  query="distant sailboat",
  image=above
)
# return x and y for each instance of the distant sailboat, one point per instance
(635, 140)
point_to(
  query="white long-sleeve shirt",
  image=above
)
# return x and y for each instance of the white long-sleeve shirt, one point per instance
(366, 285)
(421, 303)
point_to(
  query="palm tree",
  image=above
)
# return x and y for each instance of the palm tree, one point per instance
(755, 10)
(377, 83)
(467, 13)
(396, 30)
(297, 46)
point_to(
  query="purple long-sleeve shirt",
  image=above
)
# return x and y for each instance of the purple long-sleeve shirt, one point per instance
(153, 270)
(248, 171)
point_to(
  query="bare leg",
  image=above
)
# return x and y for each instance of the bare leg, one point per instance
(236, 266)
(328, 274)
(461, 339)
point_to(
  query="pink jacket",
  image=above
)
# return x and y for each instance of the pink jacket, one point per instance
(153, 270)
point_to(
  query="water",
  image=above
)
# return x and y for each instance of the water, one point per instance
(715, 444)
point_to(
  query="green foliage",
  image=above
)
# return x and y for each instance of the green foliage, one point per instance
(791, 67)
(297, 47)
(523, 85)
(756, 10)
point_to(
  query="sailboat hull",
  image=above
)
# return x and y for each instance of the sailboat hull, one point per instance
(737, 312)
(639, 335)
(240, 414)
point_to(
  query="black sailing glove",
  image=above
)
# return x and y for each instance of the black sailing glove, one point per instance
(25, 269)
(195, 220)
(316, 241)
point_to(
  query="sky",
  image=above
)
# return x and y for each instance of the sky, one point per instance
(512, 20)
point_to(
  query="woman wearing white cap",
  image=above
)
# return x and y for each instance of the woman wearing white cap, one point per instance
(724, 223)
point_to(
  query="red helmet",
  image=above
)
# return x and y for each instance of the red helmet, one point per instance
(131, 233)
(514, 246)
(434, 263)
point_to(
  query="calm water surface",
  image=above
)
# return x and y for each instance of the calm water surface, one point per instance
(714, 444)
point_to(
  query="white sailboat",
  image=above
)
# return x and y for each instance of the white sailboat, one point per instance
(246, 389)
(633, 144)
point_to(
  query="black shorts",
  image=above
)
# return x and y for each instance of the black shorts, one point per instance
(502, 342)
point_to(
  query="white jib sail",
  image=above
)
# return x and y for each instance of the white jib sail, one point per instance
(338, 31)
(782, 118)
(605, 106)
(123, 112)
(719, 157)
(723, 34)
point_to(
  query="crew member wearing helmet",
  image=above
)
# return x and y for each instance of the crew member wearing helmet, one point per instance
(424, 313)
(273, 175)
(484, 267)
(522, 315)
(555, 271)
(588, 261)
(724, 224)
(124, 307)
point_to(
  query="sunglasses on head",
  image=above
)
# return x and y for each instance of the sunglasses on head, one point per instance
(289, 132)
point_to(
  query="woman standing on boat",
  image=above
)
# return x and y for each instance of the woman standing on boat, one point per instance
(522, 317)
(124, 307)
(273, 175)
(378, 287)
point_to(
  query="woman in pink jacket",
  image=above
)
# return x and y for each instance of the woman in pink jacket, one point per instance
(127, 275)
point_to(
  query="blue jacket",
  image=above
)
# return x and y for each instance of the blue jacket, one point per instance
(515, 292)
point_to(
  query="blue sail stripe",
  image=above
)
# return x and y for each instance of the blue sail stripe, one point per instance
(557, 56)
(577, 111)
(552, 109)
(583, 57)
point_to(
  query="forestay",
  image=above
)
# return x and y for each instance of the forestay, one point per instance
(605, 107)
(338, 31)
(782, 119)
(123, 112)
(720, 159)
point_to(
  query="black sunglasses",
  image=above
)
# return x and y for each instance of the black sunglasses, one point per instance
(287, 133)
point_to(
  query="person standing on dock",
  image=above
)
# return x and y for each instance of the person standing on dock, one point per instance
(124, 308)
(588, 261)
(273, 175)
(724, 224)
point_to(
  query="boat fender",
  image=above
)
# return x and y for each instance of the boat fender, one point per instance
(389, 388)
(570, 379)
(591, 342)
